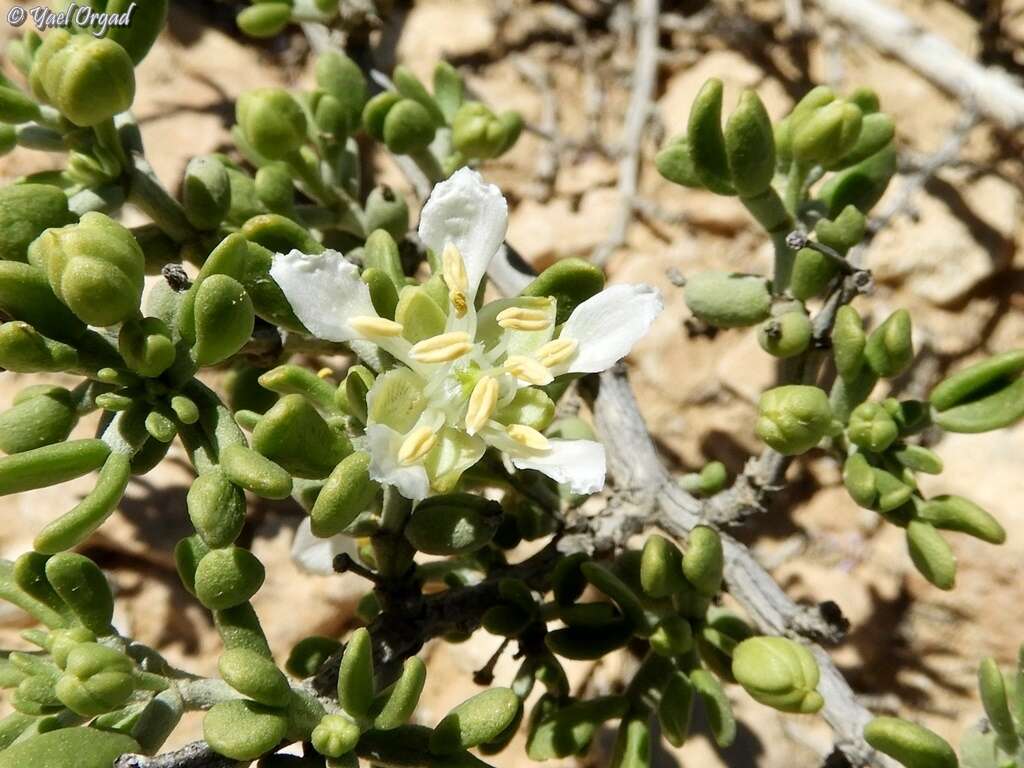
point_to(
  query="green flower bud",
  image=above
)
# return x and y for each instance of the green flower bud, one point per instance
(254, 675)
(88, 79)
(216, 507)
(264, 19)
(779, 673)
(83, 587)
(386, 210)
(716, 706)
(396, 705)
(272, 122)
(228, 577)
(661, 567)
(793, 419)
(478, 133)
(931, 555)
(95, 267)
(569, 282)
(69, 748)
(297, 438)
(828, 134)
(890, 347)
(356, 684)
(676, 709)
(206, 192)
(909, 744)
(50, 465)
(675, 163)
(26, 210)
(24, 350)
(347, 492)
(787, 335)
(704, 560)
(245, 467)
(475, 721)
(728, 300)
(569, 730)
(146, 346)
(861, 185)
(243, 730)
(335, 736)
(41, 416)
(955, 513)
(453, 524)
(750, 146)
(872, 428)
(876, 132)
(96, 679)
(62, 641)
(224, 319)
(706, 140)
(407, 128)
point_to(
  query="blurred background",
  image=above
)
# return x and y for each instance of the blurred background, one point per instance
(601, 85)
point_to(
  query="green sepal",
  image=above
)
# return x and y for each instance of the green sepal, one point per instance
(356, 684)
(228, 577)
(255, 473)
(706, 140)
(254, 675)
(453, 524)
(909, 744)
(243, 730)
(84, 589)
(931, 555)
(351, 394)
(334, 736)
(750, 146)
(871, 427)
(420, 316)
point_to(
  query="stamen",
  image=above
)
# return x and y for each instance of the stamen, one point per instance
(528, 370)
(442, 348)
(416, 445)
(528, 437)
(365, 325)
(556, 351)
(524, 319)
(482, 403)
(324, 373)
(453, 269)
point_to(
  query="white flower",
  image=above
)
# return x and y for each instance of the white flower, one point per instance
(315, 555)
(475, 384)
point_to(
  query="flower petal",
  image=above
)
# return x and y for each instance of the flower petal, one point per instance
(325, 290)
(383, 444)
(580, 463)
(317, 555)
(607, 325)
(470, 214)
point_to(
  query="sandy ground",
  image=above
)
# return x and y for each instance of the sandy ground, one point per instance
(956, 263)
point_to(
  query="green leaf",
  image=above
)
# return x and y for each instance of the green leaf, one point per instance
(706, 140)
(356, 685)
(910, 744)
(475, 721)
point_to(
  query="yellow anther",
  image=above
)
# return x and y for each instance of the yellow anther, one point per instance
(524, 319)
(416, 445)
(442, 348)
(482, 403)
(365, 325)
(453, 269)
(324, 373)
(528, 437)
(556, 351)
(528, 370)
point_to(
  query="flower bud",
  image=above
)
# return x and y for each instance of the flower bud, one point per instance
(24, 350)
(397, 704)
(356, 685)
(88, 79)
(861, 185)
(480, 134)
(985, 396)
(41, 415)
(910, 744)
(258, 474)
(955, 513)
(453, 524)
(779, 673)
(206, 192)
(216, 507)
(69, 748)
(728, 300)
(675, 163)
(272, 122)
(930, 554)
(750, 146)
(706, 140)
(407, 127)
(787, 335)
(62, 641)
(871, 427)
(812, 101)
(793, 419)
(95, 267)
(243, 730)
(297, 438)
(254, 675)
(228, 577)
(890, 347)
(83, 587)
(475, 721)
(704, 560)
(828, 134)
(335, 736)
(264, 19)
(146, 346)
(224, 319)
(347, 492)
(96, 680)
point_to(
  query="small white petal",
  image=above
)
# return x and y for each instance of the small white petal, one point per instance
(470, 214)
(580, 463)
(324, 290)
(607, 325)
(383, 443)
(317, 555)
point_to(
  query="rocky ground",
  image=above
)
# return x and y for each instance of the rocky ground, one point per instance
(952, 254)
